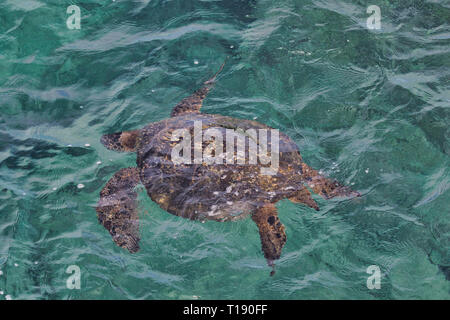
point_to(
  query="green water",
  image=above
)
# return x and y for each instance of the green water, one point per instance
(368, 107)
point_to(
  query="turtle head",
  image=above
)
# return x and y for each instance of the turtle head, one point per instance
(125, 141)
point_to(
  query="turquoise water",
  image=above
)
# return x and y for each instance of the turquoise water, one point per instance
(368, 107)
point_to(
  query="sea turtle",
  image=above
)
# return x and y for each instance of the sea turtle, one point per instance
(223, 189)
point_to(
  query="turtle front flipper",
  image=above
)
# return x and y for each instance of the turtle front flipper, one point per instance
(193, 103)
(121, 141)
(271, 231)
(117, 209)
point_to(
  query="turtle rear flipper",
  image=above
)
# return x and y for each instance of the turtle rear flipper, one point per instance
(116, 209)
(121, 141)
(326, 187)
(271, 231)
(304, 196)
(193, 103)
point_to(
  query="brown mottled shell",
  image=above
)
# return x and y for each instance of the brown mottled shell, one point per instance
(215, 191)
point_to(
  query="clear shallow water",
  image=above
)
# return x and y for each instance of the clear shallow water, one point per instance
(370, 108)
